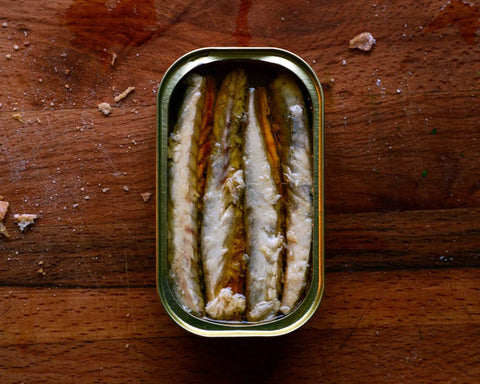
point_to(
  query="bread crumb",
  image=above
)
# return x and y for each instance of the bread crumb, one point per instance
(3, 212)
(3, 230)
(40, 271)
(125, 188)
(124, 94)
(105, 108)
(146, 196)
(364, 42)
(23, 220)
(18, 117)
(16, 47)
(105, 190)
(114, 57)
(3, 209)
(8, 56)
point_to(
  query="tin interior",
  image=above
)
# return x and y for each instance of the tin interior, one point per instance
(262, 65)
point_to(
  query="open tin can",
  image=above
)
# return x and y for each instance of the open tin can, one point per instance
(261, 64)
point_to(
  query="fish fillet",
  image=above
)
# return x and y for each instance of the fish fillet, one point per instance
(264, 237)
(288, 111)
(222, 233)
(183, 250)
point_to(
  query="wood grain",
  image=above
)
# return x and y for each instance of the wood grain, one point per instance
(417, 352)
(78, 301)
(397, 299)
(403, 240)
(398, 316)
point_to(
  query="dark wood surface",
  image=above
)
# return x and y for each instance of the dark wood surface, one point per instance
(78, 302)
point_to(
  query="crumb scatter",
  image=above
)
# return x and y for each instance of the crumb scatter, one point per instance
(105, 108)
(146, 196)
(114, 57)
(363, 41)
(3, 211)
(124, 94)
(24, 220)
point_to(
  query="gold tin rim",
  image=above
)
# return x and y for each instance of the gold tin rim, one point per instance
(309, 79)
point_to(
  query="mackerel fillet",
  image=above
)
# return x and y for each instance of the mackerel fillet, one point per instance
(289, 112)
(263, 218)
(222, 235)
(183, 250)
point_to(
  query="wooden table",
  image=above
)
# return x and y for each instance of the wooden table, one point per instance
(78, 302)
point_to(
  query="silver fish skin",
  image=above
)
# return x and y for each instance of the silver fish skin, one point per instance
(183, 251)
(264, 237)
(222, 233)
(288, 109)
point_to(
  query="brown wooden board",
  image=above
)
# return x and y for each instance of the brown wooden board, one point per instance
(78, 301)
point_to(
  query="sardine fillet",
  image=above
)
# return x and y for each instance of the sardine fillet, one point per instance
(222, 234)
(299, 215)
(183, 252)
(264, 238)
(289, 111)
